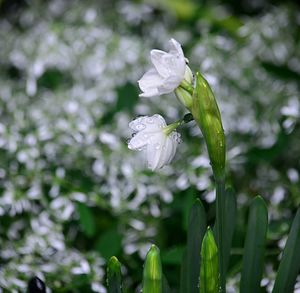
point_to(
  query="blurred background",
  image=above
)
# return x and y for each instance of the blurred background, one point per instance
(72, 194)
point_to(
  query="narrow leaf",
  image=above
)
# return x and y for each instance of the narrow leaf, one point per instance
(290, 263)
(183, 273)
(165, 285)
(196, 231)
(254, 246)
(209, 270)
(114, 277)
(229, 225)
(86, 219)
(152, 276)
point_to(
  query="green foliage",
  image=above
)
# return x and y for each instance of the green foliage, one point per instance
(191, 260)
(253, 259)
(290, 262)
(230, 209)
(86, 220)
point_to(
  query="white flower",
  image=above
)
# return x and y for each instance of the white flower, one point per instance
(158, 140)
(168, 72)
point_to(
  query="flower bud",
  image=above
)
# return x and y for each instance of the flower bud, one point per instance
(185, 90)
(152, 277)
(184, 97)
(114, 278)
(209, 272)
(207, 115)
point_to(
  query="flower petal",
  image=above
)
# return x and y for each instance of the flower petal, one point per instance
(149, 83)
(148, 124)
(175, 47)
(158, 58)
(137, 142)
(169, 85)
(155, 150)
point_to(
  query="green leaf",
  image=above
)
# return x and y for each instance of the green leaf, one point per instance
(209, 270)
(165, 285)
(86, 219)
(196, 231)
(109, 243)
(114, 277)
(229, 225)
(183, 273)
(290, 263)
(254, 246)
(152, 276)
(172, 256)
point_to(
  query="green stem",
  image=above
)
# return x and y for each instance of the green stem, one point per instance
(220, 220)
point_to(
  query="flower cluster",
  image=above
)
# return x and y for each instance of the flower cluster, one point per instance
(151, 134)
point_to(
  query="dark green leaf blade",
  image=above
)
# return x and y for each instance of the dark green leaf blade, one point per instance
(114, 278)
(86, 219)
(290, 263)
(165, 285)
(229, 226)
(196, 231)
(254, 246)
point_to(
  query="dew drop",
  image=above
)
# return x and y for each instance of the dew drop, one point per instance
(140, 126)
(150, 120)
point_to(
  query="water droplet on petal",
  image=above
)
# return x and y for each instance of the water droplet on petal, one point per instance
(150, 120)
(140, 127)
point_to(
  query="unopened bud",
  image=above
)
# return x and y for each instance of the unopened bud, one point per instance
(207, 115)
(152, 277)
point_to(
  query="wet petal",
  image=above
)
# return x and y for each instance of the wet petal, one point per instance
(137, 142)
(155, 151)
(149, 83)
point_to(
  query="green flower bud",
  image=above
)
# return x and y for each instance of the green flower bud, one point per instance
(184, 97)
(207, 115)
(184, 92)
(209, 272)
(152, 277)
(114, 281)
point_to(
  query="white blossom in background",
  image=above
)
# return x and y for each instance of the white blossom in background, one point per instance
(168, 72)
(152, 136)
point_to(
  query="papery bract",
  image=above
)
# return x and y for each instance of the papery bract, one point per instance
(151, 136)
(168, 72)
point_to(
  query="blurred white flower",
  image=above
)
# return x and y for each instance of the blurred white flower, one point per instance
(158, 140)
(168, 72)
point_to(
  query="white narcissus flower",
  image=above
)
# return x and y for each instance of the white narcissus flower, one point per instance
(169, 71)
(158, 140)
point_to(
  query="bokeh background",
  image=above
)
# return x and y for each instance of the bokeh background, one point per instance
(72, 194)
